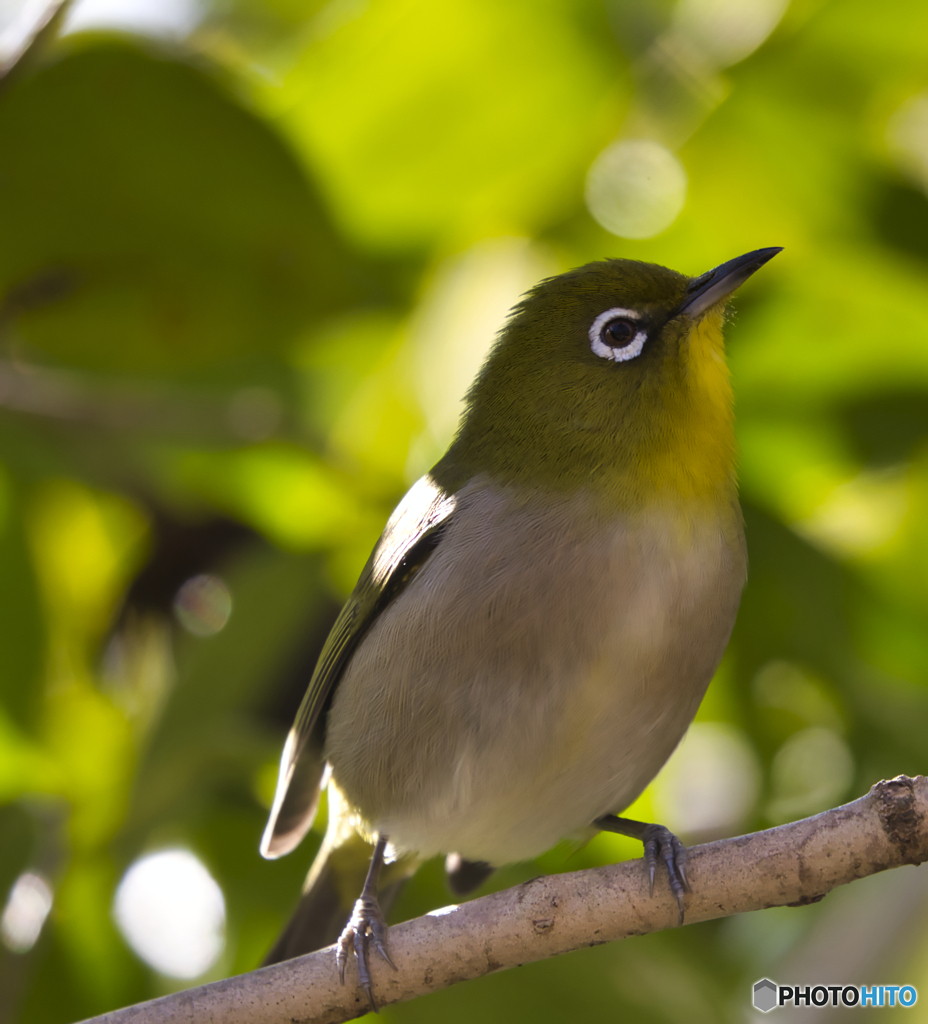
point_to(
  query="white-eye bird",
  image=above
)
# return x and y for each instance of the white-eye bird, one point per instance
(539, 621)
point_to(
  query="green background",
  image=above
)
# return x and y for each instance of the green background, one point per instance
(245, 276)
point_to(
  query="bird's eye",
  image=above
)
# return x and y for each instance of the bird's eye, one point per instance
(618, 332)
(617, 335)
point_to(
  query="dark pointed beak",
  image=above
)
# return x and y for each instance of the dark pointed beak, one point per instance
(719, 283)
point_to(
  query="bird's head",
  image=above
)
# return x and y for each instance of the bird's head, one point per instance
(612, 378)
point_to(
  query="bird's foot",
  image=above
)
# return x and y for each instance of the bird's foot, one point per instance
(661, 842)
(366, 926)
(658, 842)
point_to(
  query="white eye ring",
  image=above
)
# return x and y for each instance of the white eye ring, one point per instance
(617, 355)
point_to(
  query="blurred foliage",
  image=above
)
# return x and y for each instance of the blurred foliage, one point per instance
(247, 271)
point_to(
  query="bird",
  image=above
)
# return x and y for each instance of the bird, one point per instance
(536, 627)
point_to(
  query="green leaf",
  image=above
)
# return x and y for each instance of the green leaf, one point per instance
(151, 223)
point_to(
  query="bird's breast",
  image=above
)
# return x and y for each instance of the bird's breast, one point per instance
(537, 672)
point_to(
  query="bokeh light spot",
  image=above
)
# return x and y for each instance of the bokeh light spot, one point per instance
(811, 771)
(27, 906)
(636, 188)
(787, 687)
(203, 605)
(727, 31)
(860, 516)
(907, 138)
(711, 782)
(175, 18)
(172, 913)
(457, 322)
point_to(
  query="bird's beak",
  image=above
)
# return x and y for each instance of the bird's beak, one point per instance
(719, 283)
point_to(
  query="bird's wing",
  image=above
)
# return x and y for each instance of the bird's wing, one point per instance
(411, 535)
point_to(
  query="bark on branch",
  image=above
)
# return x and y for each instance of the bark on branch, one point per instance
(791, 865)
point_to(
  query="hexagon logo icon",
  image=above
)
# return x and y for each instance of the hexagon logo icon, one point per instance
(765, 995)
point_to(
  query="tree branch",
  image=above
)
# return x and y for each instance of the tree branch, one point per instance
(792, 865)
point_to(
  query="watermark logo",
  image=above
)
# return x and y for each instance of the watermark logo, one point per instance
(765, 995)
(768, 995)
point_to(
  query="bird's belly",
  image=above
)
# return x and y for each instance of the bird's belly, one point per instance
(533, 677)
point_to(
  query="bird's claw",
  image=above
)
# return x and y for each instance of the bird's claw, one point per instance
(365, 926)
(661, 841)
